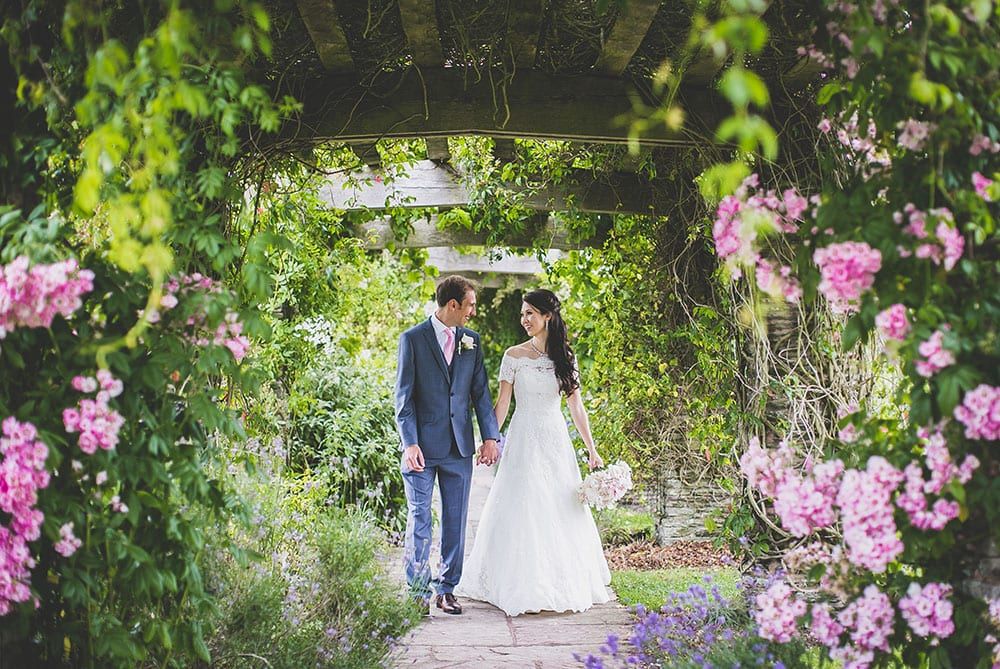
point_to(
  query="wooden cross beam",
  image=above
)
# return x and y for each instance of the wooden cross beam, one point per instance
(435, 103)
(426, 233)
(320, 17)
(420, 24)
(437, 149)
(524, 23)
(489, 272)
(428, 184)
(626, 35)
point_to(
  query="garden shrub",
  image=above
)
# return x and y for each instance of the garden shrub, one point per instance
(342, 424)
(315, 588)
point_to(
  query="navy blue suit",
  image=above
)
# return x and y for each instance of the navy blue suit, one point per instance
(434, 403)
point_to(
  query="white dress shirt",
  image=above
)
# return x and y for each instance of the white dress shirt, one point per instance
(439, 329)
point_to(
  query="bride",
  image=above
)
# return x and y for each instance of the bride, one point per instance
(537, 547)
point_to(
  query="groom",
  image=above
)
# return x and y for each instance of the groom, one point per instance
(439, 380)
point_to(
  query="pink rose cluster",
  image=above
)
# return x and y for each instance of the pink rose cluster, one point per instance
(847, 269)
(945, 247)
(22, 475)
(979, 412)
(927, 610)
(97, 423)
(865, 151)
(982, 185)
(982, 143)
(68, 543)
(849, 433)
(867, 620)
(892, 323)
(935, 356)
(777, 282)
(803, 502)
(742, 217)
(33, 297)
(602, 488)
(861, 499)
(993, 613)
(229, 333)
(777, 613)
(866, 514)
(913, 134)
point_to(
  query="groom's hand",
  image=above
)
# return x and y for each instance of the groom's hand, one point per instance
(413, 457)
(489, 453)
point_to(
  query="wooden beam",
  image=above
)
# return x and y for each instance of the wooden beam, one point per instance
(420, 25)
(320, 17)
(704, 67)
(492, 280)
(706, 64)
(504, 149)
(435, 103)
(451, 261)
(626, 35)
(378, 234)
(427, 184)
(524, 26)
(437, 149)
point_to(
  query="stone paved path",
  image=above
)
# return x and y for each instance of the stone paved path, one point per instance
(485, 637)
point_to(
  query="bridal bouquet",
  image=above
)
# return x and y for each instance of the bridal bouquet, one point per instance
(601, 489)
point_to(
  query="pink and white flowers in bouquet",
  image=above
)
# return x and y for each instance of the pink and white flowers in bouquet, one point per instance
(602, 488)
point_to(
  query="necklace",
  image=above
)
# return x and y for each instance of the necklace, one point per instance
(532, 342)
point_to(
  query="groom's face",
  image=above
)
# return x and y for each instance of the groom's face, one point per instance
(466, 310)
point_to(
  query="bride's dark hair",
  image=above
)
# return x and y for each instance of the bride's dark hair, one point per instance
(557, 346)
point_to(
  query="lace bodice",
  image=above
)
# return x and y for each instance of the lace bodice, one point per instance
(536, 388)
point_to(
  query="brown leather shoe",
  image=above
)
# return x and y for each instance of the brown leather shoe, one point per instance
(449, 604)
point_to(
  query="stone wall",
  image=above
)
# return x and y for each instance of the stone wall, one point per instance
(985, 580)
(681, 509)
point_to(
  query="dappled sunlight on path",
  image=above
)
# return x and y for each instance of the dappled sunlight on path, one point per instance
(484, 636)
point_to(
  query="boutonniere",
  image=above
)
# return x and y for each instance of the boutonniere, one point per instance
(468, 343)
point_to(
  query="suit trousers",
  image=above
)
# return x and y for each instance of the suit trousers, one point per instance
(454, 477)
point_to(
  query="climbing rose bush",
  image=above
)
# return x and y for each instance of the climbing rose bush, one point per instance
(22, 475)
(195, 322)
(32, 297)
(96, 422)
(743, 219)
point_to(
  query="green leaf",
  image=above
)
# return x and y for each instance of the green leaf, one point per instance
(828, 91)
(742, 87)
(210, 181)
(852, 333)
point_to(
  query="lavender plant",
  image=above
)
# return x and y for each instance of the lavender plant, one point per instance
(699, 627)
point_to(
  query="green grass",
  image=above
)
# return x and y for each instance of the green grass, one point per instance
(621, 526)
(651, 588)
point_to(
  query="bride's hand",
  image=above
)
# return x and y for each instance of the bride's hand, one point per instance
(595, 461)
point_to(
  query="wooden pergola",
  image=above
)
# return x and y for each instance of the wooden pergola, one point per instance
(514, 68)
(507, 69)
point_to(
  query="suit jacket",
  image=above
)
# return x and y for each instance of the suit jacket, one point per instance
(435, 402)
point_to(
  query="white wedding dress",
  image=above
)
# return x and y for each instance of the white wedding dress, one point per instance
(537, 547)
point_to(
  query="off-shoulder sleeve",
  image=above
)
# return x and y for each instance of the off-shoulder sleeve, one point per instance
(507, 368)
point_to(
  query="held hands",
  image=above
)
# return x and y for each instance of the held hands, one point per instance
(595, 461)
(488, 453)
(413, 458)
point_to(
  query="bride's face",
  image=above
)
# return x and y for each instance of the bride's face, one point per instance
(532, 320)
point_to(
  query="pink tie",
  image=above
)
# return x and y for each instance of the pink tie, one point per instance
(449, 345)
